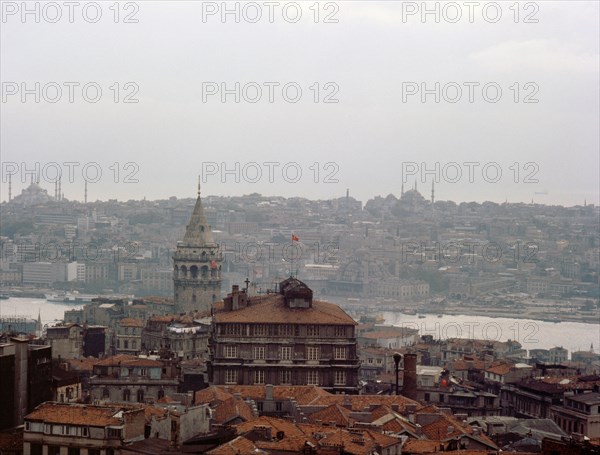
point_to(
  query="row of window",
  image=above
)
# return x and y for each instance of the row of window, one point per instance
(285, 377)
(285, 352)
(125, 344)
(283, 330)
(66, 430)
(126, 395)
(38, 449)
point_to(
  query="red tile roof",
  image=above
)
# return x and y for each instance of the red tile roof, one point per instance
(126, 360)
(272, 309)
(131, 322)
(238, 446)
(80, 414)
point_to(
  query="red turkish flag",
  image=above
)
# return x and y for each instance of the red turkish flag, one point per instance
(295, 239)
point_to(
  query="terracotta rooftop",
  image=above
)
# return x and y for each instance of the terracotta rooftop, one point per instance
(501, 369)
(304, 395)
(79, 414)
(272, 309)
(232, 409)
(288, 428)
(362, 402)
(237, 446)
(212, 395)
(131, 322)
(332, 413)
(126, 360)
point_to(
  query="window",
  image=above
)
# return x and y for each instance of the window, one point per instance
(260, 330)
(84, 431)
(312, 377)
(259, 352)
(278, 406)
(230, 352)
(143, 372)
(140, 395)
(231, 377)
(126, 395)
(232, 329)
(286, 330)
(285, 377)
(312, 331)
(285, 353)
(105, 393)
(260, 406)
(73, 451)
(340, 378)
(339, 331)
(312, 353)
(35, 449)
(114, 433)
(339, 352)
(53, 450)
(133, 344)
(259, 377)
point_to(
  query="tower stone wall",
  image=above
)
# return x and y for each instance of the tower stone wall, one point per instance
(197, 265)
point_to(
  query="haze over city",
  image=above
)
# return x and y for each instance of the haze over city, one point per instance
(379, 58)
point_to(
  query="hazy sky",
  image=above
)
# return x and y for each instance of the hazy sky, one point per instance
(540, 132)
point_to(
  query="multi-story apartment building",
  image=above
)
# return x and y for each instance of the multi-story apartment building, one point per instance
(579, 414)
(129, 336)
(26, 379)
(125, 378)
(74, 429)
(183, 336)
(283, 338)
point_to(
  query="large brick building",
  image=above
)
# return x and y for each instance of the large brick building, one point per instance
(283, 338)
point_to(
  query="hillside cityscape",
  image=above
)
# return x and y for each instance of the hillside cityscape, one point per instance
(254, 324)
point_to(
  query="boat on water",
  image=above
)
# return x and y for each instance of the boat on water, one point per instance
(76, 298)
(4, 296)
(70, 297)
(421, 316)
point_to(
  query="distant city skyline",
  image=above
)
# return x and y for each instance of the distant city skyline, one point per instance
(543, 197)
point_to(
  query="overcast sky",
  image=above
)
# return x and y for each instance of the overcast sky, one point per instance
(374, 58)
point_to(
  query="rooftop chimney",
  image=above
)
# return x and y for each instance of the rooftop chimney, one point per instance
(409, 388)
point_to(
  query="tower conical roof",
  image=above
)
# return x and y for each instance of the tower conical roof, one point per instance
(198, 231)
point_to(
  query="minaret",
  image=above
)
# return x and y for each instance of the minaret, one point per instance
(59, 189)
(197, 265)
(85, 193)
(402, 190)
(432, 193)
(9, 188)
(38, 325)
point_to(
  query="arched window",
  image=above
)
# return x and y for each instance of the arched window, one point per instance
(126, 395)
(193, 298)
(183, 271)
(105, 393)
(140, 396)
(194, 271)
(161, 394)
